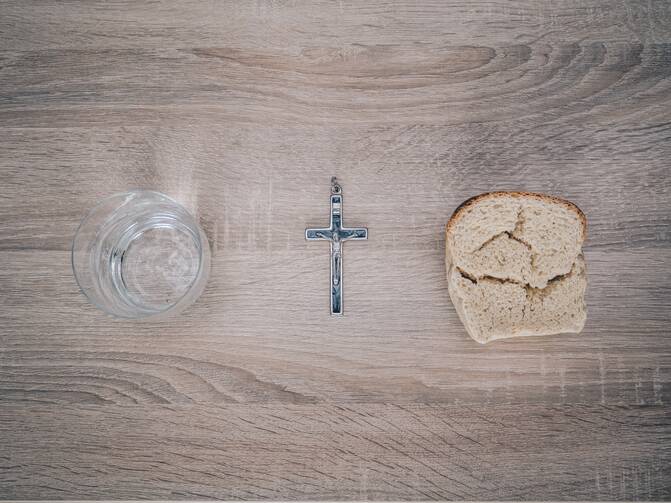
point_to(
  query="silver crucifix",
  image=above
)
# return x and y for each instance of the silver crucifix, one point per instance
(336, 234)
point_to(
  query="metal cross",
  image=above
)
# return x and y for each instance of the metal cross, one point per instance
(337, 235)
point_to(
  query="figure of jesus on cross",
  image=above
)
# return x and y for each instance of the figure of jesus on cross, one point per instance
(337, 235)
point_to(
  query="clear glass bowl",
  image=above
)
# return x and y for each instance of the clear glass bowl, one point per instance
(140, 254)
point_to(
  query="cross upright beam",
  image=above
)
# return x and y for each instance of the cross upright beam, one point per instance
(336, 234)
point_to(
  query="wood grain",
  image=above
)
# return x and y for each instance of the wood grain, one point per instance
(278, 451)
(243, 111)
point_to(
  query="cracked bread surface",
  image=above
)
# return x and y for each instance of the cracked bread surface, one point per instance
(515, 267)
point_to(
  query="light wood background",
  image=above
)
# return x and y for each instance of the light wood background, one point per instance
(243, 111)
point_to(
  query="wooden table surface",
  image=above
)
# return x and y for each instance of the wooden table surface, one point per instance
(243, 111)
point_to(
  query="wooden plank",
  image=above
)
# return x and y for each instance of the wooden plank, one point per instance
(242, 179)
(459, 85)
(278, 451)
(441, 63)
(247, 341)
(292, 26)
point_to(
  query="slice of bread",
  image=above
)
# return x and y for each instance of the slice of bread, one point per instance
(515, 265)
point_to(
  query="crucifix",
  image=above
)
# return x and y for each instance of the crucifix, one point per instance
(337, 235)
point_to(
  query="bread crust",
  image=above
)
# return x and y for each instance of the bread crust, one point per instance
(501, 193)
